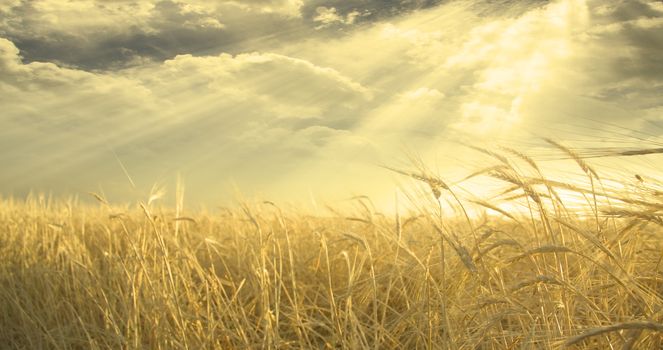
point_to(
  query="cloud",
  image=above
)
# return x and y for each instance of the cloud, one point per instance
(366, 11)
(103, 35)
(97, 35)
(50, 91)
(283, 82)
(92, 34)
(9, 56)
(327, 16)
(272, 109)
(623, 54)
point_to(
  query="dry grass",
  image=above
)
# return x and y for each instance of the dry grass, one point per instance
(78, 276)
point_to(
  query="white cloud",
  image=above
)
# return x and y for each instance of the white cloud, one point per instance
(284, 82)
(52, 91)
(275, 109)
(9, 55)
(328, 16)
(351, 17)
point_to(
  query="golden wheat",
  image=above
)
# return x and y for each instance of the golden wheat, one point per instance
(96, 276)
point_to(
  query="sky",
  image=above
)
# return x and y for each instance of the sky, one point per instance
(293, 99)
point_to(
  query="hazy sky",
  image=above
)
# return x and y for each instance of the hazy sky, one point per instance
(283, 98)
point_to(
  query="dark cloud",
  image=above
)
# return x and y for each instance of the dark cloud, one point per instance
(368, 10)
(172, 27)
(168, 29)
(646, 61)
(378, 10)
(623, 57)
(128, 34)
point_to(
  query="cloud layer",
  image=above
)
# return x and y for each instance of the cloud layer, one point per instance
(285, 96)
(94, 34)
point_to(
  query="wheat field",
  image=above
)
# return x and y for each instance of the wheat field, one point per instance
(258, 276)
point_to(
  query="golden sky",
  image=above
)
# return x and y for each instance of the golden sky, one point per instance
(287, 98)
